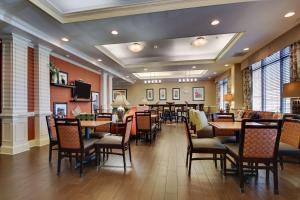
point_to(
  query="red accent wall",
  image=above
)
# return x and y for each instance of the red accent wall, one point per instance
(0, 91)
(30, 91)
(59, 94)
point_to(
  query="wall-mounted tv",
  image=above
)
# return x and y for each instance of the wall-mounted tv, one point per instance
(82, 90)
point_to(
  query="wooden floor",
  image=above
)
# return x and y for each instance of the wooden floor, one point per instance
(157, 172)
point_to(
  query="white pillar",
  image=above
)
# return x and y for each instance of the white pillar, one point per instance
(104, 91)
(14, 95)
(110, 88)
(41, 93)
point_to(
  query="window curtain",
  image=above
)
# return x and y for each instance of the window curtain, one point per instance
(295, 61)
(247, 88)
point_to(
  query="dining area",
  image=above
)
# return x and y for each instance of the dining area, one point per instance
(244, 147)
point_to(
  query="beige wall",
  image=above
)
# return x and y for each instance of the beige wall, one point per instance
(281, 42)
(136, 92)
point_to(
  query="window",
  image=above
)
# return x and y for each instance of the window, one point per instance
(223, 91)
(268, 77)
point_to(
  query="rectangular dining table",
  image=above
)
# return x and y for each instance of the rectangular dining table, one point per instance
(88, 125)
(234, 126)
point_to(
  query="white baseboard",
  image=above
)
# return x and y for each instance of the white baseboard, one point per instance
(12, 150)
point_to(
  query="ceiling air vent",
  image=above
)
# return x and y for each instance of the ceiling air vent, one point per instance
(239, 54)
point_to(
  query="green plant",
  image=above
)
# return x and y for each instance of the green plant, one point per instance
(53, 69)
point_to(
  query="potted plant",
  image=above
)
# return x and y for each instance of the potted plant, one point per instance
(53, 73)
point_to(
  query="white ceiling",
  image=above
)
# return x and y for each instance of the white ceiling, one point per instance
(171, 74)
(169, 50)
(72, 6)
(260, 21)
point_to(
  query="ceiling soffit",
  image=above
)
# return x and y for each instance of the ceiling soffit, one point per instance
(126, 10)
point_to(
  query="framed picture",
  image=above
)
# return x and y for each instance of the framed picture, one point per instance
(198, 94)
(95, 101)
(60, 110)
(162, 93)
(117, 92)
(63, 78)
(176, 93)
(150, 94)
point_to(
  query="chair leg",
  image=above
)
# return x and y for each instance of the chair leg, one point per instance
(224, 164)
(129, 148)
(50, 152)
(221, 161)
(58, 163)
(81, 164)
(281, 162)
(267, 172)
(241, 174)
(190, 163)
(124, 159)
(187, 156)
(70, 159)
(275, 175)
(215, 160)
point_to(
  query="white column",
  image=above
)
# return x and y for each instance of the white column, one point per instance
(41, 93)
(104, 91)
(14, 92)
(110, 88)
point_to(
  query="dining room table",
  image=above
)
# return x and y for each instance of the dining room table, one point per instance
(90, 124)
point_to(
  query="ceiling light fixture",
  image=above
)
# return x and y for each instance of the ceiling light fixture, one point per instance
(114, 32)
(246, 49)
(226, 65)
(136, 47)
(145, 69)
(214, 72)
(289, 14)
(67, 55)
(215, 22)
(99, 59)
(155, 46)
(194, 67)
(65, 39)
(199, 41)
(183, 80)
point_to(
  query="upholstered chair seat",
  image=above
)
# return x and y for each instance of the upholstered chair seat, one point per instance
(207, 144)
(100, 134)
(226, 139)
(110, 140)
(288, 150)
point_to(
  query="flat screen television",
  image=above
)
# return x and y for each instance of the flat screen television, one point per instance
(82, 90)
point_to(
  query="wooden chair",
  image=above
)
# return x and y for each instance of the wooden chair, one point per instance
(259, 144)
(70, 142)
(224, 136)
(115, 142)
(53, 143)
(290, 139)
(203, 146)
(103, 130)
(144, 126)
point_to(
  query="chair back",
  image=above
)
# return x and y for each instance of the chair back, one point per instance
(51, 128)
(143, 121)
(187, 132)
(126, 136)
(222, 117)
(104, 117)
(69, 134)
(260, 139)
(290, 133)
(172, 108)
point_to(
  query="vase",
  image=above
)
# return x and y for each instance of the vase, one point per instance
(54, 78)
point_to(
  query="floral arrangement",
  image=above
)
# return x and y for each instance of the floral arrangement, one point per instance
(53, 72)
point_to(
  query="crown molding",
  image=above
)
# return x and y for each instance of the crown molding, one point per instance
(118, 11)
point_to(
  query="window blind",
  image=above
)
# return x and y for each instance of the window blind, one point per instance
(268, 77)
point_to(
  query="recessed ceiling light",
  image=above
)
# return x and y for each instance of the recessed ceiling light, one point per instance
(67, 55)
(209, 77)
(226, 65)
(246, 49)
(145, 69)
(194, 67)
(155, 46)
(199, 41)
(114, 32)
(65, 39)
(214, 72)
(136, 47)
(289, 14)
(99, 59)
(215, 22)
